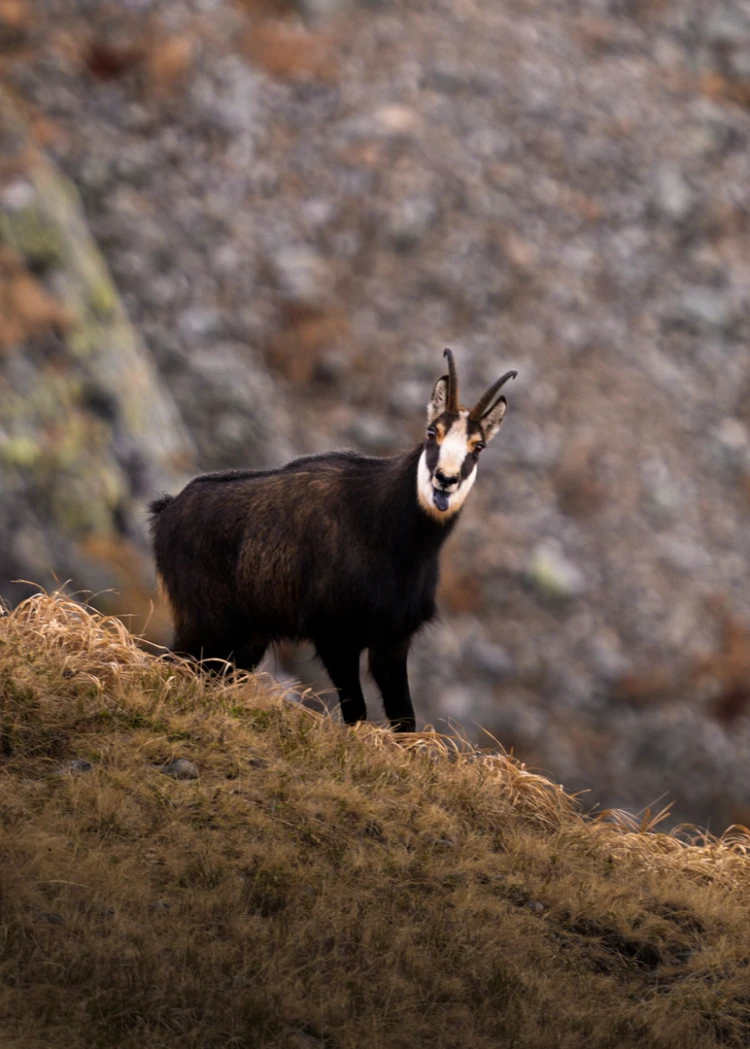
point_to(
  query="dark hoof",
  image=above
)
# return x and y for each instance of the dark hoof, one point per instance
(404, 725)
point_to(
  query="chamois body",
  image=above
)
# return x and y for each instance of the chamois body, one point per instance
(339, 549)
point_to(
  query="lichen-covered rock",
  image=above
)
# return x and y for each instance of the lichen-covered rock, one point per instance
(88, 430)
(553, 573)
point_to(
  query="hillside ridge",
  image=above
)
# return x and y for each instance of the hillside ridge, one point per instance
(311, 885)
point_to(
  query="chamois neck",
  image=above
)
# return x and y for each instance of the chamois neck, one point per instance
(415, 532)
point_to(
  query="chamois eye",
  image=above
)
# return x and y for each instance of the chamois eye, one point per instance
(479, 446)
(431, 431)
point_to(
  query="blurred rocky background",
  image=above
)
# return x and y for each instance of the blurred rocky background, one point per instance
(232, 231)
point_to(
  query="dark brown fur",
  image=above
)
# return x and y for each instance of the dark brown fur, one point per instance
(340, 549)
(332, 548)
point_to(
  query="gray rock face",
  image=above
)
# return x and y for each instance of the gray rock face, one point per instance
(88, 429)
(562, 191)
(674, 198)
(302, 274)
(728, 25)
(490, 661)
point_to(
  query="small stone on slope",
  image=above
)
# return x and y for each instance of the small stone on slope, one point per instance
(180, 768)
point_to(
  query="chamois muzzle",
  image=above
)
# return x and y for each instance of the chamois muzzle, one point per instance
(486, 403)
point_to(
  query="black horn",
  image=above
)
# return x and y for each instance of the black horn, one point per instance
(452, 405)
(484, 404)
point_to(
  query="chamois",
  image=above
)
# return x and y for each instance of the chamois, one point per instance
(339, 549)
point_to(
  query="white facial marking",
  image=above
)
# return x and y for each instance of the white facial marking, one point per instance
(453, 451)
(426, 489)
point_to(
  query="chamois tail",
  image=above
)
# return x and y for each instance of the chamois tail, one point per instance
(156, 507)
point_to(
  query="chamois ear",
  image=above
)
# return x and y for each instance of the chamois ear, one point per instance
(491, 421)
(439, 399)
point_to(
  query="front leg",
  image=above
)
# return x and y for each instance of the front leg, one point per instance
(388, 668)
(342, 664)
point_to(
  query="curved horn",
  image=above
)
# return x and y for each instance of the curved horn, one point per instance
(484, 404)
(452, 405)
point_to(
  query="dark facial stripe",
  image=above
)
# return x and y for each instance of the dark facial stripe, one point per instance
(432, 454)
(468, 465)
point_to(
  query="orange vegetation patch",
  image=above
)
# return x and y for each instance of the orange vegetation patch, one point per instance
(305, 334)
(161, 61)
(15, 16)
(143, 609)
(267, 8)
(26, 309)
(721, 88)
(580, 490)
(460, 590)
(289, 52)
(169, 60)
(645, 687)
(728, 665)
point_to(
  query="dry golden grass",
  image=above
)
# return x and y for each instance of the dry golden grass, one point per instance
(369, 893)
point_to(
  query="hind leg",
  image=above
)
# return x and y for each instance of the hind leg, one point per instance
(204, 649)
(222, 646)
(195, 644)
(249, 653)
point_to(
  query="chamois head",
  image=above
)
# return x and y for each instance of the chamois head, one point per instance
(455, 437)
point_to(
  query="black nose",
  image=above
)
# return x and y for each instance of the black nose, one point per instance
(445, 481)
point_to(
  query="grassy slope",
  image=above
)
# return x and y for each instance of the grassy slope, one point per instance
(322, 880)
